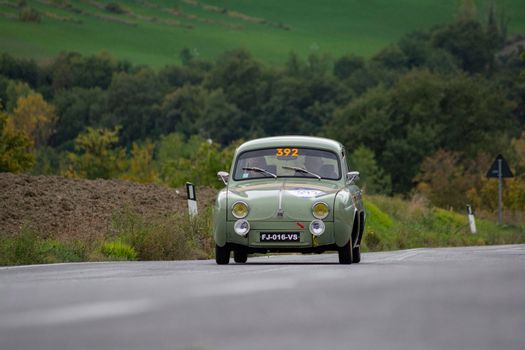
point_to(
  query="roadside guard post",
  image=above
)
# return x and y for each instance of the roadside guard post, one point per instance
(471, 219)
(500, 169)
(192, 199)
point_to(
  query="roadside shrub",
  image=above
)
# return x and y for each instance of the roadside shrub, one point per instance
(29, 14)
(446, 220)
(27, 247)
(377, 217)
(175, 237)
(372, 241)
(118, 251)
(115, 7)
(55, 251)
(22, 249)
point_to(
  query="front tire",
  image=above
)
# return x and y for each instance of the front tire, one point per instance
(222, 255)
(345, 254)
(240, 256)
(356, 255)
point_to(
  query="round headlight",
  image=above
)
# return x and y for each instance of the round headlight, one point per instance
(241, 227)
(317, 227)
(240, 210)
(320, 210)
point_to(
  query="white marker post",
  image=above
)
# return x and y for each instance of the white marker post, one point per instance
(471, 219)
(192, 200)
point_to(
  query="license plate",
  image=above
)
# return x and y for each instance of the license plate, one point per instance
(280, 237)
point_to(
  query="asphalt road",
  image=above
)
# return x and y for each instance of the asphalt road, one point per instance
(453, 298)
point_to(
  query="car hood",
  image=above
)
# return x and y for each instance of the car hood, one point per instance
(294, 197)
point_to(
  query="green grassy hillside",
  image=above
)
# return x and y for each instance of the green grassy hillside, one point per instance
(153, 32)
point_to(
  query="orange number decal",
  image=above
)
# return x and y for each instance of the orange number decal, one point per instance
(286, 152)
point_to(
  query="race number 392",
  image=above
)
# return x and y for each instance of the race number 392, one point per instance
(286, 152)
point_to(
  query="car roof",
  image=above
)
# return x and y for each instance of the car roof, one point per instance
(291, 141)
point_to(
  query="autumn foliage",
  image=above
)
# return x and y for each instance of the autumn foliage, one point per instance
(451, 181)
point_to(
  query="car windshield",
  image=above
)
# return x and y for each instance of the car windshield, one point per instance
(287, 162)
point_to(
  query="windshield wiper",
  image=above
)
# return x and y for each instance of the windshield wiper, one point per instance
(259, 170)
(302, 170)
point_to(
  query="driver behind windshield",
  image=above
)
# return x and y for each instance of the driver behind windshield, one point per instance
(256, 162)
(313, 164)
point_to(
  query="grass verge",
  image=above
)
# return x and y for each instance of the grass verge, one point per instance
(130, 237)
(393, 223)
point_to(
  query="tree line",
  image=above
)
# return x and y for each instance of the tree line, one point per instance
(426, 114)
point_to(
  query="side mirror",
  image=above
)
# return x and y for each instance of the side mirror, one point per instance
(223, 176)
(352, 177)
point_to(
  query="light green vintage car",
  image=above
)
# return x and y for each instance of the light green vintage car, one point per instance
(289, 194)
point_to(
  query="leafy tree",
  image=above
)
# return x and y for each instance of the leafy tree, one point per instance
(294, 66)
(190, 59)
(346, 65)
(20, 69)
(174, 146)
(96, 155)
(206, 163)
(443, 180)
(141, 166)
(195, 160)
(176, 76)
(317, 66)
(77, 108)
(484, 192)
(174, 154)
(372, 177)
(132, 101)
(14, 90)
(15, 148)
(403, 155)
(300, 104)
(420, 114)
(186, 56)
(496, 30)
(4, 82)
(391, 58)
(221, 121)
(48, 161)
(71, 69)
(35, 117)
(240, 77)
(282, 112)
(468, 41)
(522, 55)
(419, 52)
(365, 120)
(181, 110)
(518, 153)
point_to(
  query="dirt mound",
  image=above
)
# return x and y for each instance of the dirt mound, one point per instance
(60, 207)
